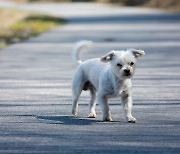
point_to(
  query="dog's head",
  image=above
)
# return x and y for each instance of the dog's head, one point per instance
(123, 63)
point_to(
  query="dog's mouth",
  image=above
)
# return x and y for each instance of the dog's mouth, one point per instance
(127, 74)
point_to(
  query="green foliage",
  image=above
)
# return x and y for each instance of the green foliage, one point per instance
(29, 27)
(61, 0)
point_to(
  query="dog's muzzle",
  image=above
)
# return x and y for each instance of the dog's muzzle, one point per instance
(127, 72)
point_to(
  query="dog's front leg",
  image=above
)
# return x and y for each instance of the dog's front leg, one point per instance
(127, 105)
(103, 102)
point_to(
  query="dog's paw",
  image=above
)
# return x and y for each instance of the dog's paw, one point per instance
(92, 115)
(74, 113)
(107, 119)
(131, 119)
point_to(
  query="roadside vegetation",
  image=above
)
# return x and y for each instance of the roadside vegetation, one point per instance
(169, 5)
(17, 26)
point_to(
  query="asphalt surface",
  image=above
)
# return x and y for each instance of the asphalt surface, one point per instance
(35, 84)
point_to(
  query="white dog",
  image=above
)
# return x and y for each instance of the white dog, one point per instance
(110, 76)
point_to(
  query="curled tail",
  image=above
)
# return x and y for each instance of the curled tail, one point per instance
(79, 47)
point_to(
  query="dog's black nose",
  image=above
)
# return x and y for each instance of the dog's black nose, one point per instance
(127, 71)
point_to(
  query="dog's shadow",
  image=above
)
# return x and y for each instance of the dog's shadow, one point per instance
(67, 120)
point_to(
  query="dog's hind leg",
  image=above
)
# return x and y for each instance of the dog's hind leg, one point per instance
(77, 86)
(92, 103)
(75, 98)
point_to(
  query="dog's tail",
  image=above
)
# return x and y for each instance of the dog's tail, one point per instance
(79, 47)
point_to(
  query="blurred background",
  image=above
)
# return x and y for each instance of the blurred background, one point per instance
(18, 25)
(166, 4)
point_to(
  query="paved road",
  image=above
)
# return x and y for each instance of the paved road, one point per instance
(35, 93)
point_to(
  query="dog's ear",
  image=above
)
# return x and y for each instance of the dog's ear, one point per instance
(137, 53)
(109, 56)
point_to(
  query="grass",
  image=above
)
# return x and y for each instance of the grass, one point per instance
(17, 26)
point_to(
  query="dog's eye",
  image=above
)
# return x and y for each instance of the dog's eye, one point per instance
(119, 65)
(132, 63)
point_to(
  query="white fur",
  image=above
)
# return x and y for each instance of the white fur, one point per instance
(109, 76)
(80, 46)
